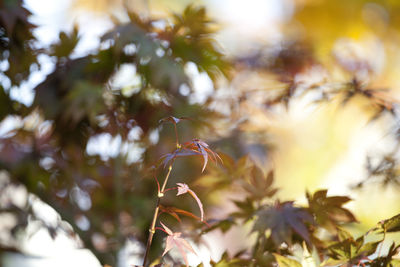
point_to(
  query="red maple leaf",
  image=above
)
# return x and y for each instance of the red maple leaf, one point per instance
(175, 240)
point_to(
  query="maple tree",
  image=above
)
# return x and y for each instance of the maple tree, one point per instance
(47, 152)
(194, 147)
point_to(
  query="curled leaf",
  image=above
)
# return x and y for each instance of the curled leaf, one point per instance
(183, 189)
(168, 158)
(203, 149)
(175, 211)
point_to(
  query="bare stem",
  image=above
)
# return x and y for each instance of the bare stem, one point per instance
(177, 138)
(152, 229)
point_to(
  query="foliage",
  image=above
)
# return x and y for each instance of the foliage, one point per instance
(47, 153)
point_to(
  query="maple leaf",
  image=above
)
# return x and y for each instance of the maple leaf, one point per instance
(349, 250)
(191, 148)
(202, 148)
(286, 262)
(391, 224)
(260, 186)
(282, 220)
(329, 211)
(180, 152)
(389, 259)
(175, 240)
(183, 189)
(175, 213)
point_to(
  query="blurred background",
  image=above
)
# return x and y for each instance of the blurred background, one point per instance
(307, 88)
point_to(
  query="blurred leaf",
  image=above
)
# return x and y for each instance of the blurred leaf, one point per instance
(16, 40)
(193, 42)
(328, 211)
(283, 219)
(246, 209)
(175, 240)
(223, 225)
(226, 262)
(349, 249)
(388, 260)
(391, 225)
(260, 186)
(286, 262)
(66, 45)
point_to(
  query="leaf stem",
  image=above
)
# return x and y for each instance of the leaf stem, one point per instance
(169, 189)
(152, 229)
(159, 228)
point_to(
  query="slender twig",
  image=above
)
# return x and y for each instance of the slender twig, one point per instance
(178, 146)
(158, 184)
(152, 229)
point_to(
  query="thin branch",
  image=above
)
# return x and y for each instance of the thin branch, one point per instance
(158, 184)
(155, 216)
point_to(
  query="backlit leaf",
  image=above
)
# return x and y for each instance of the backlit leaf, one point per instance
(286, 262)
(283, 219)
(329, 211)
(184, 188)
(392, 224)
(202, 149)
(175, 240)
(260, 186)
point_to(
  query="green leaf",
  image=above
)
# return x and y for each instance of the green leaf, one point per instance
(350, 250)
(343, 234)
(225, 261)
(392, 224)
(286, 262)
